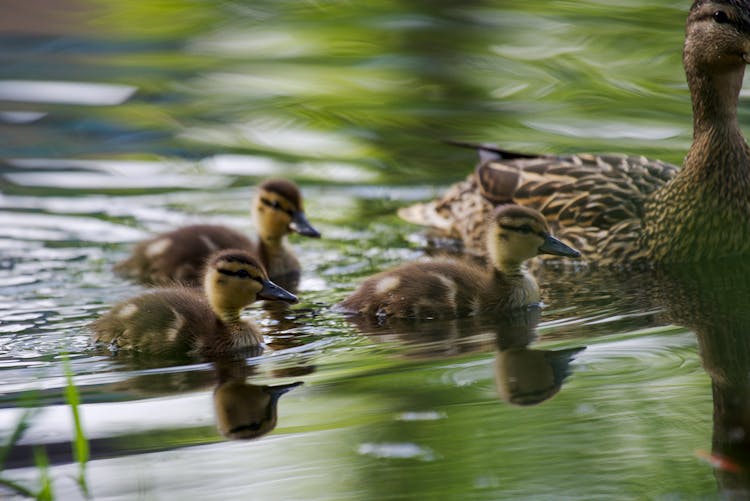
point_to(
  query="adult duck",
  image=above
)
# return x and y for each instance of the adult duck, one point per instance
(627, 210)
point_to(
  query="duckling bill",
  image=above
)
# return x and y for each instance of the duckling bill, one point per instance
(184, 320)
(450, 288)
(179, 256)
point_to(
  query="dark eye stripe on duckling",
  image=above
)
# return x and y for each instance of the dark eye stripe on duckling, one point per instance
(274, 204)
(239, 274)
(524, 229)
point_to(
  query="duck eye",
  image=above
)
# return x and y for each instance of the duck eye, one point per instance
(274, 204)
(243, 274)
(525, 229)
(721, 17)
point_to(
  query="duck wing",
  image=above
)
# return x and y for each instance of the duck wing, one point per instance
(590, 200)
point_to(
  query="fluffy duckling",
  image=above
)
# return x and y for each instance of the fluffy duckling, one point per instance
(448, 288)
(179, 256)
(184, 320)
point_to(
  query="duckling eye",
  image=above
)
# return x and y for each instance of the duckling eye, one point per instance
(274, 204)
(237, 273)
(721, 17)
(525, 229)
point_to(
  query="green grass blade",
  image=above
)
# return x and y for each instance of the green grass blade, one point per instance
(45, 481)
(21, 426)
(80, 443)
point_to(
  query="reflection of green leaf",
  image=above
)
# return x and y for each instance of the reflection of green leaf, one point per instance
(42, 464)
(18, 488)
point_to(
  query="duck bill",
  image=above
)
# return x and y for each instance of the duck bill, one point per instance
(273, 292)
(278, 390)
(301, 225)
(553, 246)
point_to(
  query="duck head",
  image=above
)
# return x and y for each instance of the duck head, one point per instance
(519, 233)
(278, 211)
(718, 35)
(235, 279)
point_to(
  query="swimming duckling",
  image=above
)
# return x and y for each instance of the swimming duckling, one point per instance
(184, 320)
(178, 256)
(621, 210)
(449, 288)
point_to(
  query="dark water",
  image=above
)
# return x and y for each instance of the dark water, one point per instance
(121, 119)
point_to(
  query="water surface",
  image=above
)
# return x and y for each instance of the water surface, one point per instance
(119, 120)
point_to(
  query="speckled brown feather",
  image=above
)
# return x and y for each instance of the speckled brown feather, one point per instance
(592, 203)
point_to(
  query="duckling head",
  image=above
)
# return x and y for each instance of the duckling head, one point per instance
(519, 233)
(277, 210)
(235, 279)
(717, 36)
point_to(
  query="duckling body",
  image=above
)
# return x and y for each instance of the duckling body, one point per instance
(184, 320)
(178, 256)
(451, 288)
(628, 210)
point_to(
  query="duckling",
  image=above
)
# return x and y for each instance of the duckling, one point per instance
(178, 256)
(449, 288)
(183, 320)
(629, 210)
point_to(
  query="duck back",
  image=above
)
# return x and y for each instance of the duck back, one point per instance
(179, 256)
(171, 321)
(436, 289)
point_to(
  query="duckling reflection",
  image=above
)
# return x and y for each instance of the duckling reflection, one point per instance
(523, 375)
(245, 411)
(528, 376)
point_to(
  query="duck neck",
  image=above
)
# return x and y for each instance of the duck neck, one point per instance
(716, 130)
(509, 268)
(225, 308)
(271, 245)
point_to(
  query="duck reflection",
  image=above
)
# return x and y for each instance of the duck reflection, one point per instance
(523, 375)
(714, 302)
(244, 410)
